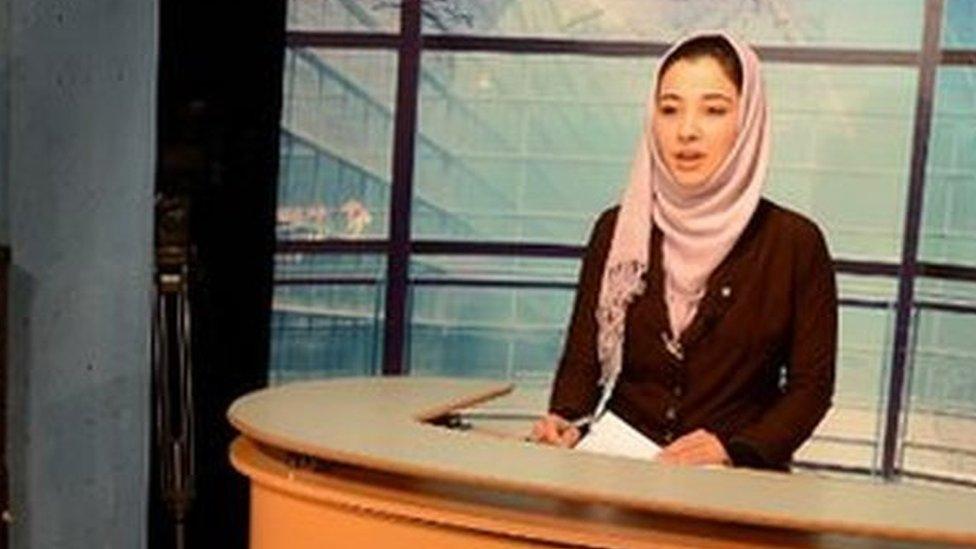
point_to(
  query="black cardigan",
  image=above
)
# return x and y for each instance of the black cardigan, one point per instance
(758, 360)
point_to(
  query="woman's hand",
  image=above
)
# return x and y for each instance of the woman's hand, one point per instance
(696, 448)
(555, 430)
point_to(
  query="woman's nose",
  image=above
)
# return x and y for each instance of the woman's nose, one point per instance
(688, 129)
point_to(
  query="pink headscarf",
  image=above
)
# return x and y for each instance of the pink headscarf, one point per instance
(700, 224)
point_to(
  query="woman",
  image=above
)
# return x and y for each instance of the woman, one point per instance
(705, 313)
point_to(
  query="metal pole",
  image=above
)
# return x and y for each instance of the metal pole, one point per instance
(928, 63)
(405, 131)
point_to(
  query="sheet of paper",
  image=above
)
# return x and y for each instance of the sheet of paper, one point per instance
(613, 436)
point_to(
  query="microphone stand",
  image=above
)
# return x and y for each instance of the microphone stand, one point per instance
(172, 366)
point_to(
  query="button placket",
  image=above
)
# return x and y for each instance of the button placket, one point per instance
(674, 347)
(671, 414)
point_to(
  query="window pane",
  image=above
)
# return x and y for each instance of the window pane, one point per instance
(940, 435)
(326, 329)
(842, 151)
(343, 15)
(849, 434)
(328, 266)
(959, 24)
(868, 23)
(949, 220)
(336, 139)
(523, 147)
(499, 333)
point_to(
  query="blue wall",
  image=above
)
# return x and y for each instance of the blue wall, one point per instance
(78, 176)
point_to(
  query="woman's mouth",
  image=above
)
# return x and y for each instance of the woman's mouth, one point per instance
(688, 160)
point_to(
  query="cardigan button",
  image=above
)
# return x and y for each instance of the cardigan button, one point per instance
(726, 292)
(673, 346)
(671, 414)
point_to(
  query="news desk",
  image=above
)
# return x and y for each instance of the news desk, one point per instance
(371, 462)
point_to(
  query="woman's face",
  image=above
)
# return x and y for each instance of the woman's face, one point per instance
(697, 116)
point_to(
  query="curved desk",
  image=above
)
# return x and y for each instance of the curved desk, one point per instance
(356, 463)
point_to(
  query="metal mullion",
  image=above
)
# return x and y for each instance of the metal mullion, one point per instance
(928, 63)
(864, 303)
(405, 131)
(327, 281)
(611, 48)
(944, 271)
(495, 283)
(521, 249)
(866, 268)
(342, 40)
(331, 246)
(958, 57)
(638, 48)
(946, 307)
(944, 479)
(834, 467)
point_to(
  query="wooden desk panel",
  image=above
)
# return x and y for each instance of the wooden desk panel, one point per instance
(375, 426)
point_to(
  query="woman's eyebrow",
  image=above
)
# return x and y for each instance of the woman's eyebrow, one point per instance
(669, 95)
(717, 95)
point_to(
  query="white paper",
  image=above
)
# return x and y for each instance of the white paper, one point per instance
(613, 436)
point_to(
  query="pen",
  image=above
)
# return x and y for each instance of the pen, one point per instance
(582, 424)
(584, 421)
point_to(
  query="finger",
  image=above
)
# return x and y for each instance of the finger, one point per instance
(537, 430)
(697, 433)
(683, 442)
(701, 457)
(694, 436)
(695, 439)
(707, 454)
(569, 437)
(683, 454)
(551, 432)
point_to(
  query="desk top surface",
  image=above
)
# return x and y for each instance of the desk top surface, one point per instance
(379, 423)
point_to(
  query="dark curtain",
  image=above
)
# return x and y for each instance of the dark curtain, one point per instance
(219, 106)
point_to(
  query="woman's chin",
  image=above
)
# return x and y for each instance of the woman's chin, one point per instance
(690, 180)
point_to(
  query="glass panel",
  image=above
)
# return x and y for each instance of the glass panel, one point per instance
(343, 15)
(959, 24)
(953, 292)
(328, 266)
(842, 151)
(868, 23)
(326, 329)
(849, 434)
(500, 333)
(949, 220)
(336, 139)
(940, 434)
(523, 147)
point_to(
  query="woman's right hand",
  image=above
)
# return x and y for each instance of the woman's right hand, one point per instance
(555, 430)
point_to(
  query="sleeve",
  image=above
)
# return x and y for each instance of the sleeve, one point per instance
(574, 390)
(772, 439)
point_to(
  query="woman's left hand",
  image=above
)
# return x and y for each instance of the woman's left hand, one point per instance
(696, 448)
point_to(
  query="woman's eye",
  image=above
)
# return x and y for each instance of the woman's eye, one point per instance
(667, 109)
(717, 110)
